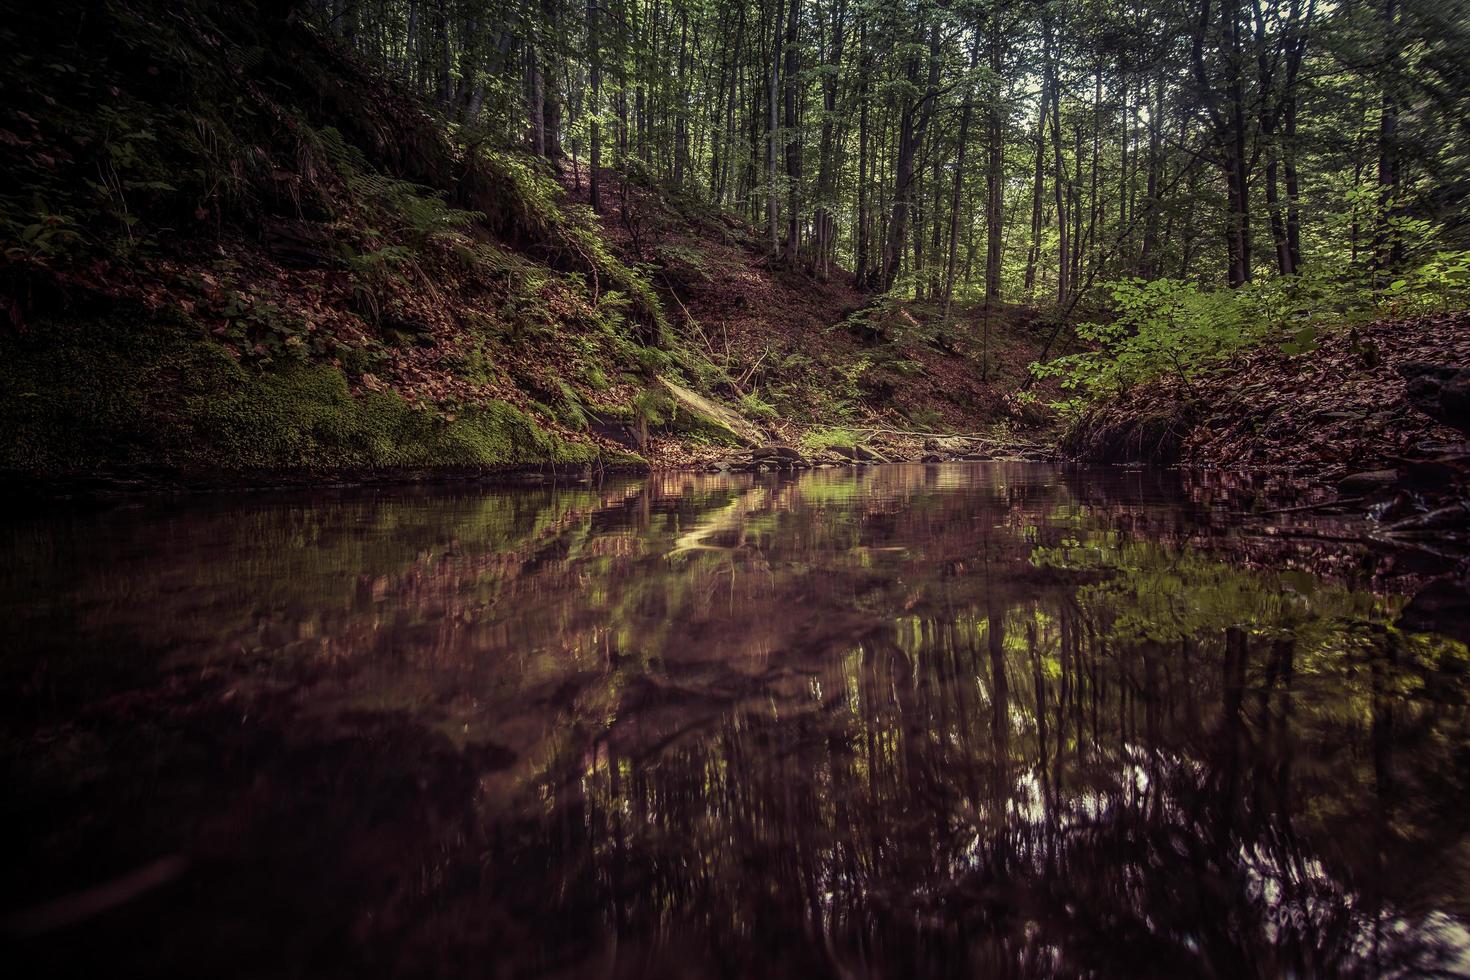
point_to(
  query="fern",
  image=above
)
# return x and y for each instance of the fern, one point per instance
(416, 212)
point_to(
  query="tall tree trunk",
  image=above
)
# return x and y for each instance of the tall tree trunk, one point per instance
(793, 137)
(994, 170)
(824, 220)
(1058, 168)
(1241, 223)
(936, 234)
(551, 102)
(773, 200)
(1038, 186)
(594, 106)
(1387, 249)
(913, 119)
(1147, 259)
(959, 177)
(536, 97)
(1293, 191)
(860, 259)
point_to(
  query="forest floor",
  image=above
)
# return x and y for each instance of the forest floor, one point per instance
(812, 361)
(1373, 421)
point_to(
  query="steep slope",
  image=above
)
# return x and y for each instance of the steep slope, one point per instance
(232, 254)
(812, 359)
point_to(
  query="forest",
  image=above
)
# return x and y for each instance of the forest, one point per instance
(635, 233)
(735, 488)
(1021, 151)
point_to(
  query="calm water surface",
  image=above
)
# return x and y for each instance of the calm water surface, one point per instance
(992, 720)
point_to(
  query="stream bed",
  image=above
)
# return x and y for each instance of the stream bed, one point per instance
(960, 720)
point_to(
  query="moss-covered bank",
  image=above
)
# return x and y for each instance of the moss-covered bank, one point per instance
(132, 396)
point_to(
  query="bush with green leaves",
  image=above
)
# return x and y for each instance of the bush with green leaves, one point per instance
(828, 437)
(1172, 328)
(1440, 284)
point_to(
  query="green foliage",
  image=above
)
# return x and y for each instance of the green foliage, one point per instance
(928, 419)
(414, 212)
(653, 406)
(1440, 284)
(569, 409)
(1160, 326)
(264, 331)
(828, 437)
(520, 200)
(757, 407)
(44, 239)
(1169, 327)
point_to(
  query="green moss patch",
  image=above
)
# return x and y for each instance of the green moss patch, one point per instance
(109, 394)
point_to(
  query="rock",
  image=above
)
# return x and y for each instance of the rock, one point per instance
(1442, 606)
(858, 454)
(1401, 506)
(948, 444)
(1437, 473)
(1368, 482)
(980, 457)
(779, 453)
(711, 417)
(1441, 391)
(932, 458)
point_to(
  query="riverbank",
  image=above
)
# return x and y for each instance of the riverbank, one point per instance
(1374, 420)
(318, 280)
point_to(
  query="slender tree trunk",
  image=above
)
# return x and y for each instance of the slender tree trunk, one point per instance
(860, 259)
(1059, 170)
(1387, 248)
(773, 200)
(1038, 186)
(1147, 260)
(536, 102)
(959, 179)
(793, 137)
(1293, 191)
(994, 172)
(913, 119)
(594, 106)
(936, 233)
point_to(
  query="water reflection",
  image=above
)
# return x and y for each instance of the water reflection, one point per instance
(989, 720)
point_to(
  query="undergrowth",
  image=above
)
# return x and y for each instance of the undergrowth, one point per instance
(1170, 328)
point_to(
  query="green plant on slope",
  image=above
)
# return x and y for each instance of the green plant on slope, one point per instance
(1172, 328)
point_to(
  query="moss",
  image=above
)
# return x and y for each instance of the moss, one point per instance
(679, 411)
(83, 395)
(818, 439)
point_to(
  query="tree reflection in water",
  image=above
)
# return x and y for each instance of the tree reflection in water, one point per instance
(981, 721)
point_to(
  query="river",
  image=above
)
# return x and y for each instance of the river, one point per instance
(902, 721)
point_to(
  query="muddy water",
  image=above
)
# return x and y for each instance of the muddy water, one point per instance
(967, 720)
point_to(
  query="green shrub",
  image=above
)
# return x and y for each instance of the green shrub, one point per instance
(828, 437)
(757, 407)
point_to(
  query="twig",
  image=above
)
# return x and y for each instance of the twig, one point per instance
(1318, 506)
(750, 372)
